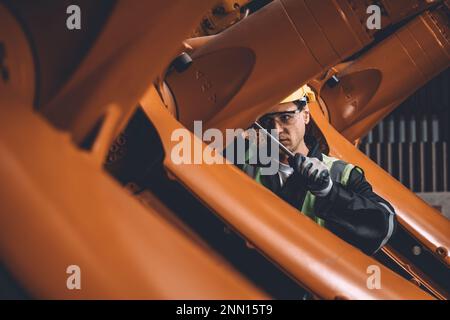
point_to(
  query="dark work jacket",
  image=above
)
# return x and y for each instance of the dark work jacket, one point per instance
(353, 212)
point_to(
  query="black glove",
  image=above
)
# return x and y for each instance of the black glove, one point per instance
(313, 172)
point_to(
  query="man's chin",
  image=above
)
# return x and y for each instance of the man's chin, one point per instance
(286, 143)
(288, 146)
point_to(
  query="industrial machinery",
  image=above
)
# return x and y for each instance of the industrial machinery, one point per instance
(87, 120)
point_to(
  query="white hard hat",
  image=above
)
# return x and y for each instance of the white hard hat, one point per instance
(302, 93)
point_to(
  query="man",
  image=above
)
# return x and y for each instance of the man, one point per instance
(331, 192)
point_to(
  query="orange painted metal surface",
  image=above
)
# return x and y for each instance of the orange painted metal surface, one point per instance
(58, 206)
(419, 218)
(373, 85)
(134, 45)
(59, 209)
(316, 258)
(369, 89)
(227, 83)
(234, 78)
(75, 213)
(398, 80)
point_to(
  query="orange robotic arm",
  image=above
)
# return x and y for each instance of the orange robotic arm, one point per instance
(88, 218)
(239, 73)
(234, 92)
(59, 208)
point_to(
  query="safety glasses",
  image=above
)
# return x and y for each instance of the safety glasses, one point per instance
(285, 118)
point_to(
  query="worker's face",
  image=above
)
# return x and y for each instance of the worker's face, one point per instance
(289, 126)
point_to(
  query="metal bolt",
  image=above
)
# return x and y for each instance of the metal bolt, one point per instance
(417, 250)
(121, 140)
(218, 11)
(114, 148)
(442, 252)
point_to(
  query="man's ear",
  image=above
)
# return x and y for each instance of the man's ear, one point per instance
(306, 114)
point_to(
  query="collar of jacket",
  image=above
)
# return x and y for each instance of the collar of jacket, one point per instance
(313, 147)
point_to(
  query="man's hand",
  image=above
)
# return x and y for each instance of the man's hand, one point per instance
(314, 172)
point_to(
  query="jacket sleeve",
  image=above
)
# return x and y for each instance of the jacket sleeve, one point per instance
(357, 214)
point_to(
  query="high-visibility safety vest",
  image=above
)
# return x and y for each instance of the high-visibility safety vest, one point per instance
(339, 172)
